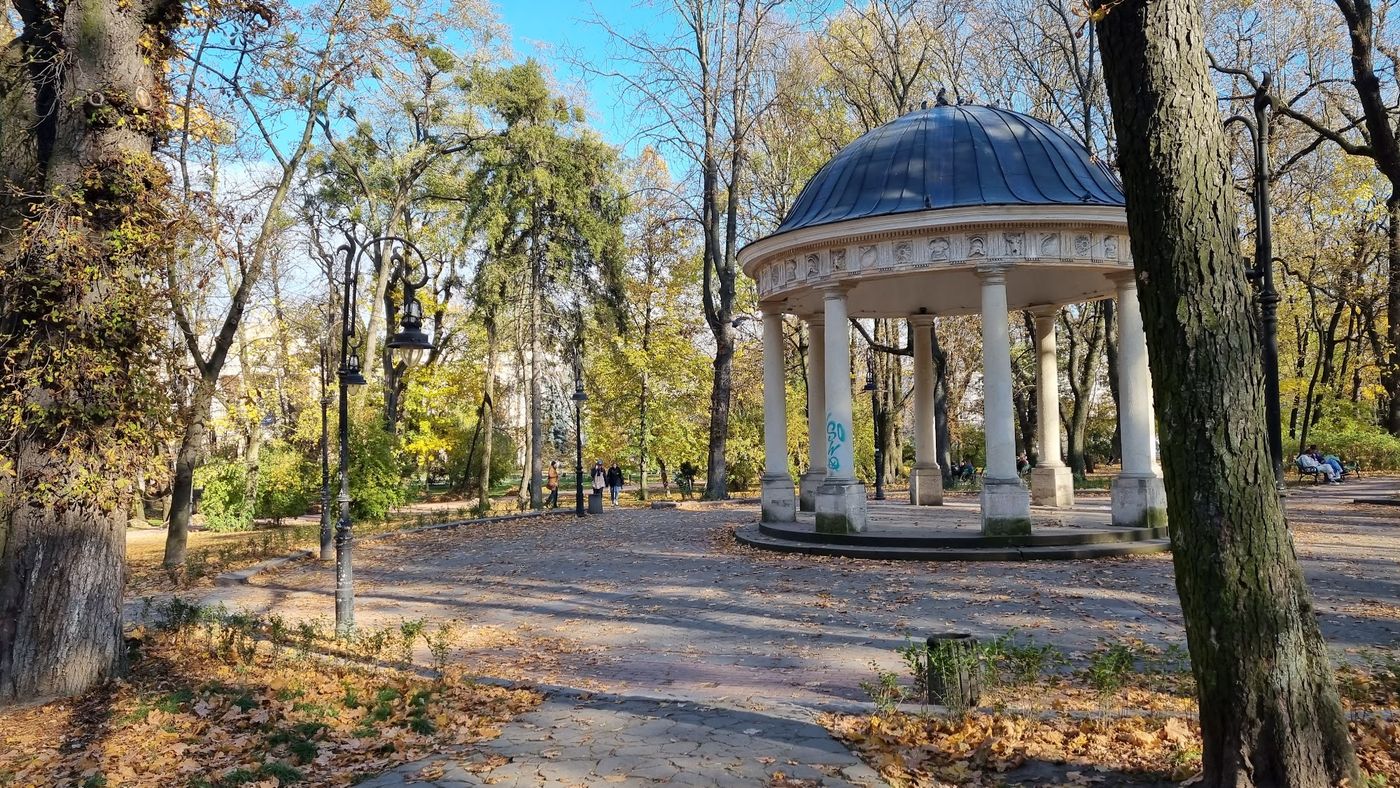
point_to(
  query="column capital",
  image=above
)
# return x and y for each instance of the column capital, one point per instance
(921, 319)
(816, 319)
(1044, 311)
(991, 273)
(771, 310)
(834, 290)
(1125, 278)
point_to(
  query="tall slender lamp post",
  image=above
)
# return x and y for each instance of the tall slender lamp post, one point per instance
(1262, 274)
(327, 550)
(406, 262)
(875, 425)
(579, 398)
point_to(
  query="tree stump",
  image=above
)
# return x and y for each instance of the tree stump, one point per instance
(954, 671)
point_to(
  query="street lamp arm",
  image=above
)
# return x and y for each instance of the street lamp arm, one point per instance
(1246, 122)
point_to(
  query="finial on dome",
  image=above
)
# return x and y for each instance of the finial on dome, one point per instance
(942, 99)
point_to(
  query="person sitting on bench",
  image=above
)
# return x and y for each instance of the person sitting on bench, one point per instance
(1330, 460)
(1309, 464)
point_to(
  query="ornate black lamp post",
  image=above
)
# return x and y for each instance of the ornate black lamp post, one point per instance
(875, 425)
(579, 398)
(326, 538)
(406, 262)
(1262, 274)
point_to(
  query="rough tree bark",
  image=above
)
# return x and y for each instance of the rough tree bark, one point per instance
(1269, 710)
(78, 394)
(488, 414)
(1085, 340)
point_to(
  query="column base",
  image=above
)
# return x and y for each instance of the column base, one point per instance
(1139, 502)
(1006, 508)
(777, 500)
(926, 485)
(841, 507)
(1052, 486)
(807, 490)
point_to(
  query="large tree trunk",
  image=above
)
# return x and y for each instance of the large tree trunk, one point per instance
(252, 435)
(488, 415)
(644, 400)
(940, 405)
(1269, 710)
(1082, 371)
(1390, 369)
(536, 406)
(78, 391)
(889, 384)
(187, 461)
(1110, 343)
(721, 386)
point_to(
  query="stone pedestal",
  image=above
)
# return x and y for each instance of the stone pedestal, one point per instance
(777, 500)
(841, 507)
(926, 486)
(1052, 486)
(807, 489)
(1139, 501)
(1006, 508)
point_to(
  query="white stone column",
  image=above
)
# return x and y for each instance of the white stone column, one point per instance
(1052, 483)
(840, 499)
(926, 479)
(778, 501)
(1138, 497)
(816, 414)
(1005, 503)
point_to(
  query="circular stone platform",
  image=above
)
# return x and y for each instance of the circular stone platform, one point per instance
(952, 532)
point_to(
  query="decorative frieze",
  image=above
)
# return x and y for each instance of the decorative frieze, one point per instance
(1010, 247)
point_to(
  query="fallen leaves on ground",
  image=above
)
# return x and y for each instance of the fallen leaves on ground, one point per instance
(189, 713)
(989, 749)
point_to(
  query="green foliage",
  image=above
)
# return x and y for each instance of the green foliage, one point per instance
(376, 480)
(1022, 664)
(224, 502)
(1357, 439)
(287, 483)
(79, 343)
(743, 460)
(885, 691)
(1110, 665)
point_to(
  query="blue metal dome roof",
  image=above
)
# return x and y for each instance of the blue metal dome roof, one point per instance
(951, 156)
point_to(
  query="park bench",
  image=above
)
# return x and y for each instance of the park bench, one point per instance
(1348, 469)
(1315, 472)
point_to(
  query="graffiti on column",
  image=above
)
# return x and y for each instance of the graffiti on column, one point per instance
(835, 438)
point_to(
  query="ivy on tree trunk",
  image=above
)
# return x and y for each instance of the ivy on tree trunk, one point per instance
(78, 339)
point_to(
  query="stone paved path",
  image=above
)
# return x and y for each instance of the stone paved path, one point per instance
(600, 740)
(664, 604)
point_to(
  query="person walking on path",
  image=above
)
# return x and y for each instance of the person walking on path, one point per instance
(551, 483)
(599, 478)
(614, 481)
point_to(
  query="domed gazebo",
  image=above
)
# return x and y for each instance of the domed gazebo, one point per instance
(951, 210)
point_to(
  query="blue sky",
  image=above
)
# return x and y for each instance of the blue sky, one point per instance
(550, 30)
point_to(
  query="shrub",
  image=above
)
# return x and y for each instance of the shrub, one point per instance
(743, 463)
(376, 481)
(224, 503)
(1355, 441)
(287, 483)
